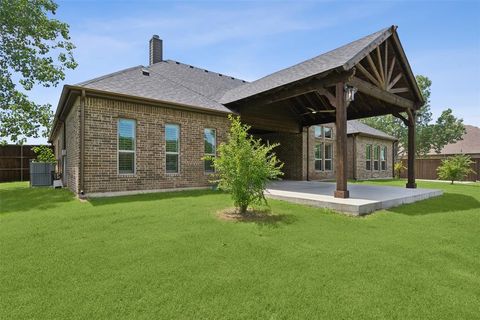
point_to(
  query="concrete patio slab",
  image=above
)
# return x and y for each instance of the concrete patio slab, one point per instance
(363, 199)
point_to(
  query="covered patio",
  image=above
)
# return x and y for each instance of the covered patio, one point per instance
(368, 77)
(363, 199)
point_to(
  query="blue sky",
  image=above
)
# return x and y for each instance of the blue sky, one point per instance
(251, 39)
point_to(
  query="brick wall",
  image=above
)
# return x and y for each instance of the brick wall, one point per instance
(291, 151)
(101, 117)
(362, 173)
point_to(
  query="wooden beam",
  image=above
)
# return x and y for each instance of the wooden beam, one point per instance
(386, 61)
(399, 116)
(341, 142)
(394, 81)
(300, 89)
(390, 71)
(368, 75)
(374, 68)
(380, 94)
(399, 90)
(411, 152)
(380, 65)
(330, 97)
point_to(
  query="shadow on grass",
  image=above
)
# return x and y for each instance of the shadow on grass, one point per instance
(448, 202)
(152, 197)
(23, 199)
(260, 217)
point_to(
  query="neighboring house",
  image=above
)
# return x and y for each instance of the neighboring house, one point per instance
(426, 167)
(147, 128)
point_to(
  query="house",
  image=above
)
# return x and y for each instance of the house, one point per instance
(147, 128)
(426, 166)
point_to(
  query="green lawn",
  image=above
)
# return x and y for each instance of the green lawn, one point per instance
(167, 256)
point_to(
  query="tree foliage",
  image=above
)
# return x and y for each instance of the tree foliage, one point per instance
(244, 166)
(430, 135)
(455, 168)
(44, 154)
(34, 50)
(398, 168)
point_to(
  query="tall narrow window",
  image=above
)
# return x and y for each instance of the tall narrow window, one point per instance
(383, 158)
(376, 156)
(318, 156)
(328, 156)
(368, 157)
(318, 131)
(210, 146)
(327, 132)
(126, 146)
(172, 147)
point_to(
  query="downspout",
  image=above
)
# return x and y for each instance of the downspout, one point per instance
(82, 143)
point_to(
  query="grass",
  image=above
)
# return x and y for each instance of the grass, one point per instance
(167, 256)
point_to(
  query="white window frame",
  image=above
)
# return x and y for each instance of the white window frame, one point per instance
(170, 152)
(214, 154)
(134, 151)
(367, 160)
(383, 157)
(321, 132)
(375, 158)
(331, 133)
(325, 157)
(321, 144)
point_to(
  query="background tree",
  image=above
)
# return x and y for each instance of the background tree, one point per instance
(44, 154)
(244, 165)
(429, 135)
(34, 50)
(455, 168)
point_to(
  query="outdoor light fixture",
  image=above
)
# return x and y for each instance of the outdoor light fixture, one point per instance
(350, 93)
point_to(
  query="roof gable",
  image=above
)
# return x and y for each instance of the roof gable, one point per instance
(343, 58)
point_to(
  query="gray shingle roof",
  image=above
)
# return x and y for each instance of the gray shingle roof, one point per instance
(317, 65)
(355, 126)
(169, 81)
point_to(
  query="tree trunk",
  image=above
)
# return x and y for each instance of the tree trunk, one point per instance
(243, 209)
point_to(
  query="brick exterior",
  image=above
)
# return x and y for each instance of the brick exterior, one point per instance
(101, 156)
(291, 151)
(72, 147)
(101, 118)
(361, 172)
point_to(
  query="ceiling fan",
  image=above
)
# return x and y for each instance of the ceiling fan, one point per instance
(314, 111)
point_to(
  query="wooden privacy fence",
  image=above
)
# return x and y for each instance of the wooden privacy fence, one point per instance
(427, 169)
(15, 162)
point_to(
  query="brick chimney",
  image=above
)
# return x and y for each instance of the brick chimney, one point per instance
(156, 49)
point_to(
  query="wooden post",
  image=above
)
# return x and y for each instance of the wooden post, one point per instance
(341, 145)
(411, 151)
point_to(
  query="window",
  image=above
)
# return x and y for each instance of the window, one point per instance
(172, 147)
(327, 132)
(383, 158)
(376, 155)
(368, 157)
(210, 142)
(328, 156)
(126, 146)
(318, 131)
(318, 156)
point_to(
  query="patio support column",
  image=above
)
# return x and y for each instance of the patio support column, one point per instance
(411, 151)
(341, 145)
